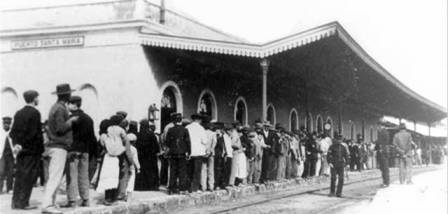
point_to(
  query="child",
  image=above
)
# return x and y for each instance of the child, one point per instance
(134, 169)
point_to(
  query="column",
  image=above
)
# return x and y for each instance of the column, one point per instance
(429, 143)
(264, 63)
(415, 126)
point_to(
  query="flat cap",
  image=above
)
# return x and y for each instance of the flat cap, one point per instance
(75, 99)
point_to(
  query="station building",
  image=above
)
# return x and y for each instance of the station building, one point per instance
(129, 55)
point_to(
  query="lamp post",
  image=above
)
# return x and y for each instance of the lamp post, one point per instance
(264, 63)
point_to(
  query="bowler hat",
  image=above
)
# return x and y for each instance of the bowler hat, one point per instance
(267, 123)
(402, 126)
(63, 89)
(122, 114)
(175, 115)
(196, 116)
(75, 99)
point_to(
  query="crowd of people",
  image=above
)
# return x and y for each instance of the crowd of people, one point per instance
(190, 155)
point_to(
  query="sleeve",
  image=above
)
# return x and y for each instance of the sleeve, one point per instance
(127, 146)
(18, 130)
(62, 126)
(330, 154)
(135, 157)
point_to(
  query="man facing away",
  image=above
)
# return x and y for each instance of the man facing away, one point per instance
(78, 155)
(60, 139)
(403, 144)
(382, 148)
(7, 157)
(26, 133)
(198, 141)
(338, 157)
(177, 142)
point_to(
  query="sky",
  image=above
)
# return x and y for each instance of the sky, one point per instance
(407, 37)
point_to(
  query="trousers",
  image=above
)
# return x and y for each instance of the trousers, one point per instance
(281, 167)
(336, 173)
(250, 171)
(55, 171)
(384, 168)
(77, 176)
(219, 172)
(178, 174)
(405, 171)
(6, 172)
(195, 172)
(208, 174)
(26, 174)
(124, 175)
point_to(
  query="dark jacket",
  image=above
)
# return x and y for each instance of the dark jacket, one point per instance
(59, 128)
(83, 132)
(249, 147)
(311, 149)
(338, 155)
(177, 141)
(220, 148)
(271, 140)
(27, 130)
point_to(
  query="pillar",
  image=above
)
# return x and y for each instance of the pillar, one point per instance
(415, 126)
(264, 63)
(429, 143)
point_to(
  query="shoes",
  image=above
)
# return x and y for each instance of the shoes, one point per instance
(331, 195)
(85, 203)
(25, 208)
(339, 195)
(51, 210)
(109, 203)
(70, 204)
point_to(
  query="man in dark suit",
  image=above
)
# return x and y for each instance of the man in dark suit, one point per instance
(338, 157)
(269, 161)
(383, 147)
(26, 134)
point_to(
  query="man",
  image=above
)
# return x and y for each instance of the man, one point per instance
(26, 134)
(337, 158)
(382, 148)
(198, 141)
(78, 155)
(60, 139)
(164, 162)
(177, 142)
(259, 146)
(269, 162)
(227, 129)
(7, 157)
(354, 156)
(220, 156)
(403, 144)
(248, 142)
(208, 178)
(310, 156)
(281, 152)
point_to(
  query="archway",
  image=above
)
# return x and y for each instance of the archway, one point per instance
(270, 114)
(240, 111)
(90, 103)
(10, 102)
(207, 104)
(171, 101)
(309, 122)
(319, 124)
(293, 120)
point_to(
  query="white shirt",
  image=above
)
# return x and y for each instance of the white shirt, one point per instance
(198, 139)
(325, 145)
(211, 142)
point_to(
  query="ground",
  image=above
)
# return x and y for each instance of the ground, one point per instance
(429, 192)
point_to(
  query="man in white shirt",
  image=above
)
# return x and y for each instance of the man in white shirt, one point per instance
(210, 159)
(198, 139)
(325, 144)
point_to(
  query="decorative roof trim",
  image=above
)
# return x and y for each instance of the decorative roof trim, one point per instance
(240, 49)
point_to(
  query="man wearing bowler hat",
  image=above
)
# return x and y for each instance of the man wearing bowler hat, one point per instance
(60, 139)
(337, 157)
(26, 134)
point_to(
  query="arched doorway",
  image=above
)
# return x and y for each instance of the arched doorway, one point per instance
(207, 104)
(270, 114)
(10, 102)
(319, 124)
(240, 111)
(309, 122)
(171, 101)
(293, 120)
(90, 103)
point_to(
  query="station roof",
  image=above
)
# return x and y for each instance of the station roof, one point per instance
(384, 95)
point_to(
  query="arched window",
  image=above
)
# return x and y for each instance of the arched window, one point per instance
(270, 114)
(10, 102)
(319, 124)
(352, 131)
(90, 103)
(309, 122)
(240, 111)
(329, 123)
(207, 104)
(293, 120)
(171, 101)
